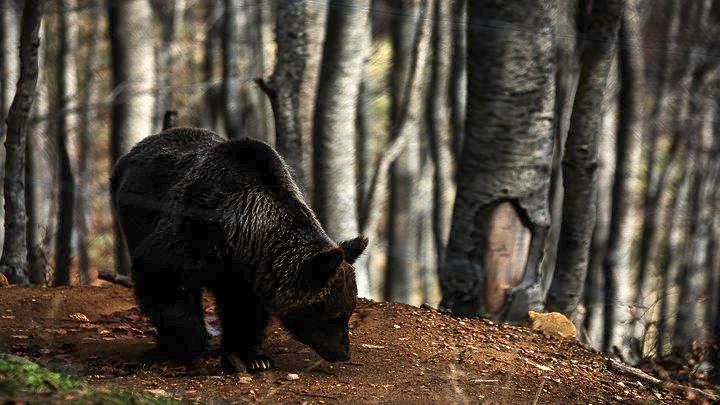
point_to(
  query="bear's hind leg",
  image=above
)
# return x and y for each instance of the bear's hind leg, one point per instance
(177, 315)
(244, 321)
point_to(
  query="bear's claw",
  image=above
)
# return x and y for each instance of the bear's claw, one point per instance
(234, 363)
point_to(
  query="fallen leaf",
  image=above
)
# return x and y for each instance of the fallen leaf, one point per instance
(540, 366)
(368, 346)
(158, 392)
(292, 377)
(79, 317)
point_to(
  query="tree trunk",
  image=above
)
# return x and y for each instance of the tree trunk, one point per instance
(658, 170)
(693, 275)
(566, 82)
(132, 77)
(170, 13)
(403, 271)
(617, 259)
(580, 158)
(86, 127)
(439, 129)
(595, 282)
(212, 16)
(9, 71)
(230, 68)
(458, 75)
(284, 85)
(334, 166)
(501, 213)
(65, 125)
(13, 262)
(316, 14)
(669, 245)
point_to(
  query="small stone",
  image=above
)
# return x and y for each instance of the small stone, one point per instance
(292, 377)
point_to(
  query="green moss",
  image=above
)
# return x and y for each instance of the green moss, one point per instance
(18, 375)
(22, 379)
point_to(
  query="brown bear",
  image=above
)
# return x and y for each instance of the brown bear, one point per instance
(199, 212)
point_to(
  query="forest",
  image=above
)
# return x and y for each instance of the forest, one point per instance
(501, 157)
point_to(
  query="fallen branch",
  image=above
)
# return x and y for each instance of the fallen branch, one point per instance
(115, 278)
(633, 372)
(648, 379)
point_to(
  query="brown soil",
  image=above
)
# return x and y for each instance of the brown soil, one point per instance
(400, 354)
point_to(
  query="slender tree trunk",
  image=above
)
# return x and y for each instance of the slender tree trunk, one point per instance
(402, 273)
(335, 166)
(693, 276)
(170, 13)
(13, 262)
(505, 168)
(213, 13)
(316, 14)
(595, 282)
(132, 77)
(86, 128)
(580, 157)
(617, 259)
(230, 68)
(458, 75)
(10, 11)
(566, 83)
(667, 262)
(66, 88)
(657, 170)
(439, 129)
(284, 85)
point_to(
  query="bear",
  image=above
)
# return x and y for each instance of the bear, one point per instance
(198, 213)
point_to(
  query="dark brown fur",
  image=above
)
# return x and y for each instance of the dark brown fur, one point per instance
(199, 212)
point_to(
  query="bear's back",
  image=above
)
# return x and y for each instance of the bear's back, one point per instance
(142, 178)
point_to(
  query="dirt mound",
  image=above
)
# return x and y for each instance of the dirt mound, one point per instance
(400, 354)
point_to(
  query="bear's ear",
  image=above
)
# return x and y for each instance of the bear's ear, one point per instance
(353, 248)
(317, 270)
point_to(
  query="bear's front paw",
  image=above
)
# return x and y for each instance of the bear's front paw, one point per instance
(249, 363)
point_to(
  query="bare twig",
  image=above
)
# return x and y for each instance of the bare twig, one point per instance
(539, 391)
(648, 379)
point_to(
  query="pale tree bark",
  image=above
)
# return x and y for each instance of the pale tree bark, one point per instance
(316, 14)
(599, 27)
(618, 297)
(458, 75)
(133, 67)
(692, 279)
(10, 14)
(439, 130)
(37, 141)
(334, 167)
(65, 127)
(668, 263)
(213, 19)
(13, 262)
(566, 81)
(501, 213)
(283, 86)
(403, 271)
(658, 171)
(256, 110)
(594, 284)
(170, 13)
(86, 129)
(230, 67)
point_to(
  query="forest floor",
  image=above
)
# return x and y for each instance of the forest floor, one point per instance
(400, 354)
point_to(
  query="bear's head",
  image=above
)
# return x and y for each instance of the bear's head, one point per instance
(321, 321)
